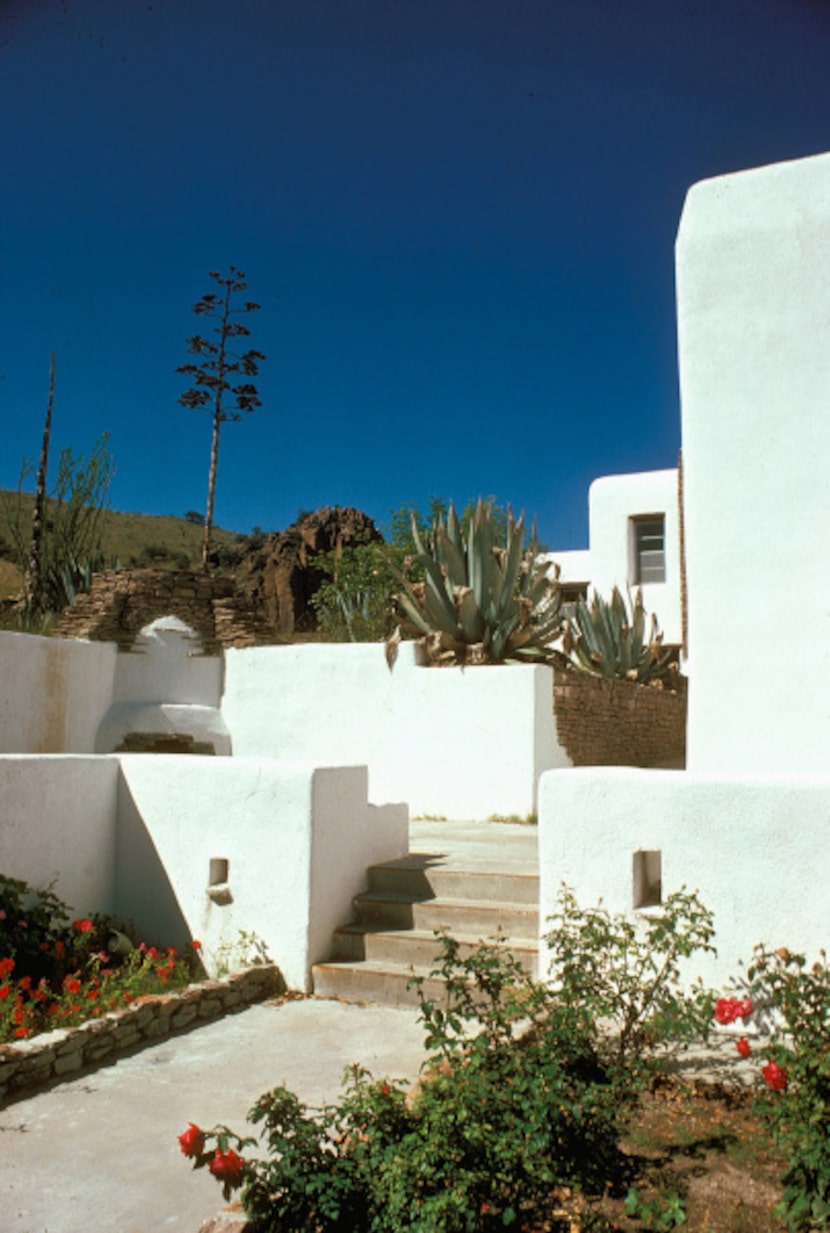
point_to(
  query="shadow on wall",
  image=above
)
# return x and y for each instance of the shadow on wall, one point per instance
(144, 894)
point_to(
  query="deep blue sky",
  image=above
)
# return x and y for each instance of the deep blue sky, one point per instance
(457, 215)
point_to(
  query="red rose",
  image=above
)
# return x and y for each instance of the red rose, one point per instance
(192, 1141)
(775, 1076)
(742, 1046)
(725, 1010)
(227, 1166)
(196, 944)
(744, 1009)
(82, 926)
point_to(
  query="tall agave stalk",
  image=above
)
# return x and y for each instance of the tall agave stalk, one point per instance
(480, 601)
(604, 639)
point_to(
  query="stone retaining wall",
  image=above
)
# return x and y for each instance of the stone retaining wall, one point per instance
(121, 602)
(602, 722)
(35, 1063)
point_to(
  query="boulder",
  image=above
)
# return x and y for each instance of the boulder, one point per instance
(281, 576)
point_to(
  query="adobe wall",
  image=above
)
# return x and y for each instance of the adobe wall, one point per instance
(753, 312)
(755, 849)
(617, 723)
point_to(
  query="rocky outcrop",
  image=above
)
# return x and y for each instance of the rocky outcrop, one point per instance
(281, 576)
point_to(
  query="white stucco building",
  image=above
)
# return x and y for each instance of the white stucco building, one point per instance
(634, 535)
(748, 821)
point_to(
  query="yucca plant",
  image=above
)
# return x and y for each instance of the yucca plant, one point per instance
(603, 638)
(480, 601)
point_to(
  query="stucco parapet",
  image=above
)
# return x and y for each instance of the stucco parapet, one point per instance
(39, 1061)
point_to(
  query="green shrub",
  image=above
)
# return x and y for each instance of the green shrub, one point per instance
(519, 1111)
(792, 998)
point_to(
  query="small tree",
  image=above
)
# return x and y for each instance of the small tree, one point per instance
(217, 367)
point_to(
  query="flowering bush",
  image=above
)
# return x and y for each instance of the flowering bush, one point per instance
(792, 999)
(518, 1114)
(54, 973)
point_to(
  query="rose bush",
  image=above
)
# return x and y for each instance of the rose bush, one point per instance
(522, 1102)
(790, 999)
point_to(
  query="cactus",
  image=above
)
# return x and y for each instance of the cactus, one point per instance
(604, 639)
(479, 601)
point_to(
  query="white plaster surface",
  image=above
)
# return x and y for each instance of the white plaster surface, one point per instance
(574, 565)
(297, 840)
(162, 667)
(753, 291)
(756, 848)
(57, 823)
(463, 743)
(53, 693)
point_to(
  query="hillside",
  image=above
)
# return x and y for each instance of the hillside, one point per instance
(129, 539)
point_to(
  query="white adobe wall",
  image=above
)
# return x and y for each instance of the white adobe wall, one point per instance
(613, 501)
(53, 693)
(134, 836)
(162, 688)
(755, 848)
(298, 840)
(753, 295)
(450, 742)
(574, 565)
(57, 822)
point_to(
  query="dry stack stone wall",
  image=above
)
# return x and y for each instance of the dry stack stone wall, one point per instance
(65, 1053)
(617, 723)
(121, 602)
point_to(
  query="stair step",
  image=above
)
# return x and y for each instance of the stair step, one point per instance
(373, 981)
(418, 947)
(417, 879)
(484, 919)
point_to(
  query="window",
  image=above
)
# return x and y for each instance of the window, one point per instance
(649, 549)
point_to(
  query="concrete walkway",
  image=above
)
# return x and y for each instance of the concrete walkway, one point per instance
(99, 1153)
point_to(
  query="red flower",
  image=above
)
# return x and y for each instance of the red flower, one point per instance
(192, 1141)
(742, 1046)
(727, 1010)
(21, 1031)
(82, 926)
(227, 1166)
(196, 944)
(25, 982)
(6, 965)
(5, 991)
(71, 984)
(775, 1076)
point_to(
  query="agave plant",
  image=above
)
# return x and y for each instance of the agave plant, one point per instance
(603, 638)
(479, 601)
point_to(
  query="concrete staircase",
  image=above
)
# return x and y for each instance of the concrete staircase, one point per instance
(476, 890)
